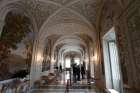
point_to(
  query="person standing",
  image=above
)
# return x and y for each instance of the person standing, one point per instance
(60, 68)
(74, 72)
(78, 72)
(57, 73)
(82, 71)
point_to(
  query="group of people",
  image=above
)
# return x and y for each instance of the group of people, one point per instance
(59, 69)
(77, 72)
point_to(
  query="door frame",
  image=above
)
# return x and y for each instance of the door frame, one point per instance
(110, 36)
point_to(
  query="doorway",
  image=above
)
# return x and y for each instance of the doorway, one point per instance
(111, 62)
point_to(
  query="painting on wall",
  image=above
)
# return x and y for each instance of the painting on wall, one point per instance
(46, 64)
(16, 44)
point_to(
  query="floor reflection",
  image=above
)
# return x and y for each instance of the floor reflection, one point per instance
(59, 86)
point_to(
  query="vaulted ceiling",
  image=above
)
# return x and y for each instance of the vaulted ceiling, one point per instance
(57, 19)
(66, 9)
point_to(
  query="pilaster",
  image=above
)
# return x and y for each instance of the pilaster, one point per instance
(2, 23)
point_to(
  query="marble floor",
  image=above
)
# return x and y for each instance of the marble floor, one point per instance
(59, 86)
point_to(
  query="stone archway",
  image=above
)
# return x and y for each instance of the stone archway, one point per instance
(15, 5)
(71, 18)
(68, 26)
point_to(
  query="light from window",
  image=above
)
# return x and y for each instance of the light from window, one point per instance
(77, 61)
(67, 63)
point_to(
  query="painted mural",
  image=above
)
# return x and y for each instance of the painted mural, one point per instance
(16, 42)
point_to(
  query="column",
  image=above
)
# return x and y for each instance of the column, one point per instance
(92, 68)
(1, 26)
(52, 66)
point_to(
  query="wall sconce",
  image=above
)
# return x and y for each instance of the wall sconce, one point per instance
(39, 57)
(95, 58)
(53, 60)
(86, 59)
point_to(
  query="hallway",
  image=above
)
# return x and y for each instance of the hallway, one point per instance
(84, 46)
